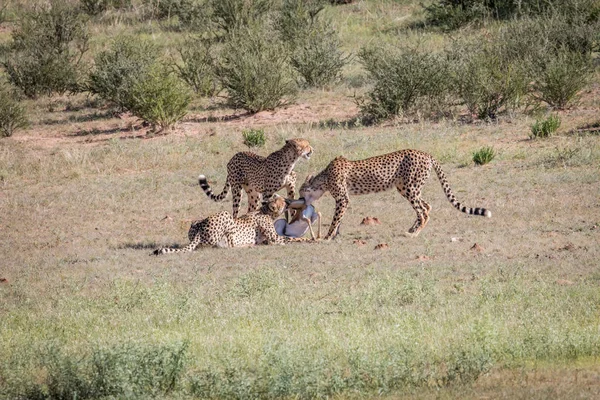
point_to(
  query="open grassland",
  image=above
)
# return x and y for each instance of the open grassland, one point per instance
(507, 307)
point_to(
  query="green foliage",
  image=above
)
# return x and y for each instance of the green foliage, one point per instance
(545, 127)
(197, 67)
(127, 371)
(254, 137)
(12, 113)
(160, 98)
(404, 82)
(46, 49)
(559, 76)
(254, 69)
(118, 69)
(453, 14)
(314, 44)
(486, 80)
(94, 7)
(230, 15)
(484, 155)
(190, 14)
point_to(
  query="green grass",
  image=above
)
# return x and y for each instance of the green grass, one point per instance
(543, 128)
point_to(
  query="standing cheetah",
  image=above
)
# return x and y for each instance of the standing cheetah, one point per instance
(222, 230)
(407, 170)
(259, 175)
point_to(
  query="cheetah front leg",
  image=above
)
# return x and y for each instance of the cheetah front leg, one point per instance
(341, 205)
(290, 185)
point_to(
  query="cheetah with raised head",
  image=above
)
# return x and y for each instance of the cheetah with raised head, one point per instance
(222, 230)
(407, 170)
(260, 176)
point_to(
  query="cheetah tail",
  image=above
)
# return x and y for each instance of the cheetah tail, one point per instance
(206, 187)
(452, 198)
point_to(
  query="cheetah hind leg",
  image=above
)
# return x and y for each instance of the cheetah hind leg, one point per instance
(422, 209)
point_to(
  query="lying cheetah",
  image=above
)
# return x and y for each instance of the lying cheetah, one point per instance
(407, 170)
(259, 175)
(222, 230)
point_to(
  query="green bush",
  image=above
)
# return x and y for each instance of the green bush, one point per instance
(117, 70)
(254, 69)
(12, 113)
(484, 155)
(190, 14)
(230, 15)
(546, 127)
(453, 14)
(486, 80)
(94, 7)
(559, 76)
(404, 82)
(197, 67)
(160, 98)
(314, 44)
(46, 50)
(254, 137)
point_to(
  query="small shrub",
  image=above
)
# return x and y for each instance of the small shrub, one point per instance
(487, 81)
(190, 14)
(314, 44)
(12, 113)
(404, 82)
(160, 99)
(47, 48)
(254, 137)
(230, 15)
(560, 75)
(94, 7)
(197, 67)
(254, 69)
(545, 128)
(118, 69)
(484, 155)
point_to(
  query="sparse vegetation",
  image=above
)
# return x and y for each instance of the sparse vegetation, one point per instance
(543, 128)
(484, 155)
(12, 113)
(47, 47)
(254, 137)
(505, 307)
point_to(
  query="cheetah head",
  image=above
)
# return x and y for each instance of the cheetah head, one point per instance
(276, 205)
(302, 147)
(309, 192)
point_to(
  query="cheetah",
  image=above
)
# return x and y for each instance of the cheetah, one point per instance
(259, 175)
(407, 170)
(222, 230)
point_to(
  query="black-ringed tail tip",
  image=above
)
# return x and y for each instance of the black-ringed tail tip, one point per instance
(476, 211)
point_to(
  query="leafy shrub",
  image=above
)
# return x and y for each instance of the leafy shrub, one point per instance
(254, 68)
(197, 67)
(546, 127)
(160, 98)
(12, 113)
(487, 81)
(94, 7)
(192, 14)
(452, 14)
(230, 15)
(559, 76)
(314, 44)
(46, 50)
(128, 371)
(254, 137)
(403, 82)
(484, 155)
(118, 69)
